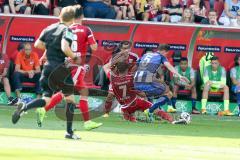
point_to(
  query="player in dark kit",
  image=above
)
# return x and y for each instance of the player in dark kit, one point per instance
(83, 37)
(56, 39)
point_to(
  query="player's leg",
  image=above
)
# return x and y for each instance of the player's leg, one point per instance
(83, 107)
(40, 112)
(108, 104)
(205, 97)
(226, 101)
(174, 98)
(238, 102)
(7, 89)
(70, 106)
(194, 99)
(169, 94)
(128, 112)
(160, 102)
(22, 107)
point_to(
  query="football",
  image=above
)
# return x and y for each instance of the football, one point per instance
(186, 116)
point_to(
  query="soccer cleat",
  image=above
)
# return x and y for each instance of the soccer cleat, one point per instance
(89, 125)
(194, 111)
(180, 121)
(171, 109)
(227, 113)
(12, 101)
(132, 118)
(40, 116)
(72, 136)
(149, 116)
(18, 113)
(204, 111)
(106, 115)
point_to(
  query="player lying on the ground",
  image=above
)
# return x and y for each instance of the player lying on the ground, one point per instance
(56, 40)
(128, 97)
(124, 47)
(82, 38)
(145, 78)
(214, 79)
(184, 70)
(235, 77)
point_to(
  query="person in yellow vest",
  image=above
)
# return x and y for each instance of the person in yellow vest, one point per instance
(184, 70)
(214, 79)
(235, 77)
(204, 62)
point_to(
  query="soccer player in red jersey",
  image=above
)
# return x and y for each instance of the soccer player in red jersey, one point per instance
(131, 58)
(130, 99)
(83, 37)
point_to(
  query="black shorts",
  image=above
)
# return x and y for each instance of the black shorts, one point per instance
(56, 78)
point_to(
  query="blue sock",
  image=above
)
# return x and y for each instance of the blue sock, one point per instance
(193, 103)
(150, 99)
(161, 101)
(169, 102)
(174, 101)
(238, 100)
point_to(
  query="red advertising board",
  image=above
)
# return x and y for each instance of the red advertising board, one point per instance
(192, 41)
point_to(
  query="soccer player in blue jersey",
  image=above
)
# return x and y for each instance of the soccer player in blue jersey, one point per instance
(146, 80)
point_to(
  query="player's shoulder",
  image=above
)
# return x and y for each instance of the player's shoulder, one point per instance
(78, 27)
(133, 56)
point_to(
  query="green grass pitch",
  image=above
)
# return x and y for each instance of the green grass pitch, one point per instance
(206, 138)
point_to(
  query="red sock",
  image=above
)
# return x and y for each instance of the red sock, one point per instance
(55, 99)
(108, 106)
(164, 115)
(83, 107)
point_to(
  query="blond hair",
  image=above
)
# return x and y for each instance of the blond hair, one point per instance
(67, 14)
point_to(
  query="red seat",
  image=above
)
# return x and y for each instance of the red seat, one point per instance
(28, 84)
(217, 95)
(184, 92)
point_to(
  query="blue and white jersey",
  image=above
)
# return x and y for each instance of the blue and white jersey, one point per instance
(148, 66)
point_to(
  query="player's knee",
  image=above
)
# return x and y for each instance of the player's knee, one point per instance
(226, 88)
(109, 97)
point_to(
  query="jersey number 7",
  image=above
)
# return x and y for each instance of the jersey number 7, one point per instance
(124, 90)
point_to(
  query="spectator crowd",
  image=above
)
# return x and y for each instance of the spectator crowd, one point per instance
(221, 12)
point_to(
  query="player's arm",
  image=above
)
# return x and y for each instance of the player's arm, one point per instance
(66, 43)
(193, 78)
(40, 42)
(174, 71)
(91, 40)
(233, 75)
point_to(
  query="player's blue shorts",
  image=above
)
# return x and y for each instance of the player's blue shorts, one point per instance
(235, 89)
(150, 89)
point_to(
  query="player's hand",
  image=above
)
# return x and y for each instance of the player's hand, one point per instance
(78, 61)
(31, 74)
(184, 79)
(209, 83)
(188, 87)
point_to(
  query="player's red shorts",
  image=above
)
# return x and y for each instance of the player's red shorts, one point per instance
(137, 104)
(78, 74)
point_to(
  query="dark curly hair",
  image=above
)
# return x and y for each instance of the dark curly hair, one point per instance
(236, 59)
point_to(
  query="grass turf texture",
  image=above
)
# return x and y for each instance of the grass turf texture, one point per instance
(207, 137)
